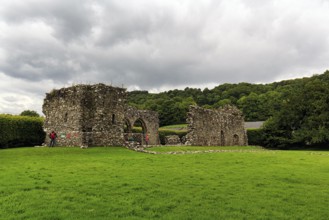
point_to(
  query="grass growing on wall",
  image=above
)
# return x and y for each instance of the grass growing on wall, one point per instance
(112, 183)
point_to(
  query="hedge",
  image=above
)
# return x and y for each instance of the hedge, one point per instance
(256, 136)
(18, 131)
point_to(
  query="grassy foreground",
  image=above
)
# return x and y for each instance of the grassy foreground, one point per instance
(112, 183)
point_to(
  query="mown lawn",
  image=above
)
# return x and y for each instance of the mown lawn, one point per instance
(174, 127)
(113, 183)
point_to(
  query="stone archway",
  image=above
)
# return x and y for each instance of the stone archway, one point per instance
(127, 126)
(139, 123)
(139, 131)
(149, 122)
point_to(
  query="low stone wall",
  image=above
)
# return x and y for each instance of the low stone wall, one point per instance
(172, 140)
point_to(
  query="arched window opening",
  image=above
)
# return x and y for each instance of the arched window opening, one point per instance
(127, 126)
(222, 138)
(113, 119)
(65, 117)
(139, 129)
(235, 140)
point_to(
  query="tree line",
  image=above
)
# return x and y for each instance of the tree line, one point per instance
(296, 111)
(258, 102)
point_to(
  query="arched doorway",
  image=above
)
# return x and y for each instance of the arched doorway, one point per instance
(139, 126)
(139, 131)
(135, 131)
(127, 126)
(143, 122)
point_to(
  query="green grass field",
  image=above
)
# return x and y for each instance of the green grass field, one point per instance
(164, 149)
(112, 183)
(174, 127)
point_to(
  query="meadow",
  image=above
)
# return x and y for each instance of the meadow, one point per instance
(116, 183)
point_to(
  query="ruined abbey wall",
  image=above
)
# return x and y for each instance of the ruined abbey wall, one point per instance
(149, 120)
(220, 127)
(86, 115)
(95, 115)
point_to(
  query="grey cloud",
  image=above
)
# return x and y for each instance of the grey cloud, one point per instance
(69, 19)
(155, 44)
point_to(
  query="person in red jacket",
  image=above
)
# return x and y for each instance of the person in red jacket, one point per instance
(147, 138)
(52, 137)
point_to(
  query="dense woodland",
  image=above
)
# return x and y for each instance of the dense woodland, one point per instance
(297, 111)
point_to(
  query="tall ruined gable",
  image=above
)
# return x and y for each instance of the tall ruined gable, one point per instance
(220, 127)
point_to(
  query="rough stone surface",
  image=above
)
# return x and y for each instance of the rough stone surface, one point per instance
(92, 115)
(220, 127)
(149, 121)
(172, 140)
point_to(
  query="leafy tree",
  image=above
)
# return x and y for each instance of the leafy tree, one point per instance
(222, 103)
(30, 113)
(303, 119)
(287, 104)
(250, 106)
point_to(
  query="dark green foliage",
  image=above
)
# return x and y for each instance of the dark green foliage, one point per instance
(30, 113)
(258, 102)
(298, 110)
(303, 119)
(255, 136)
(19, 131)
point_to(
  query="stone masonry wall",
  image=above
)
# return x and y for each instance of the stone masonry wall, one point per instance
(86, 115)
(220, 127)
(149, 120)
(172, 140)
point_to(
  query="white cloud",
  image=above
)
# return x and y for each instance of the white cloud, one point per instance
(17, 95)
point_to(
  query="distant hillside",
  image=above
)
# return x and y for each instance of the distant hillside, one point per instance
(257, 101)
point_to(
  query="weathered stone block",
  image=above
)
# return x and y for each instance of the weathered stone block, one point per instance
(172, 140)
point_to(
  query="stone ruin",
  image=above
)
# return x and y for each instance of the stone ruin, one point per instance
(172, 140)
(97, 115)
(220, 127)
(149, 121)
(94, 115)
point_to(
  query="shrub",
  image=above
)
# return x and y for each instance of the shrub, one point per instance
(30, 113)
(256, 136)
(17, 131)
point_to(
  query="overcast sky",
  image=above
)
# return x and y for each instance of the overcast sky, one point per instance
(155, 45)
